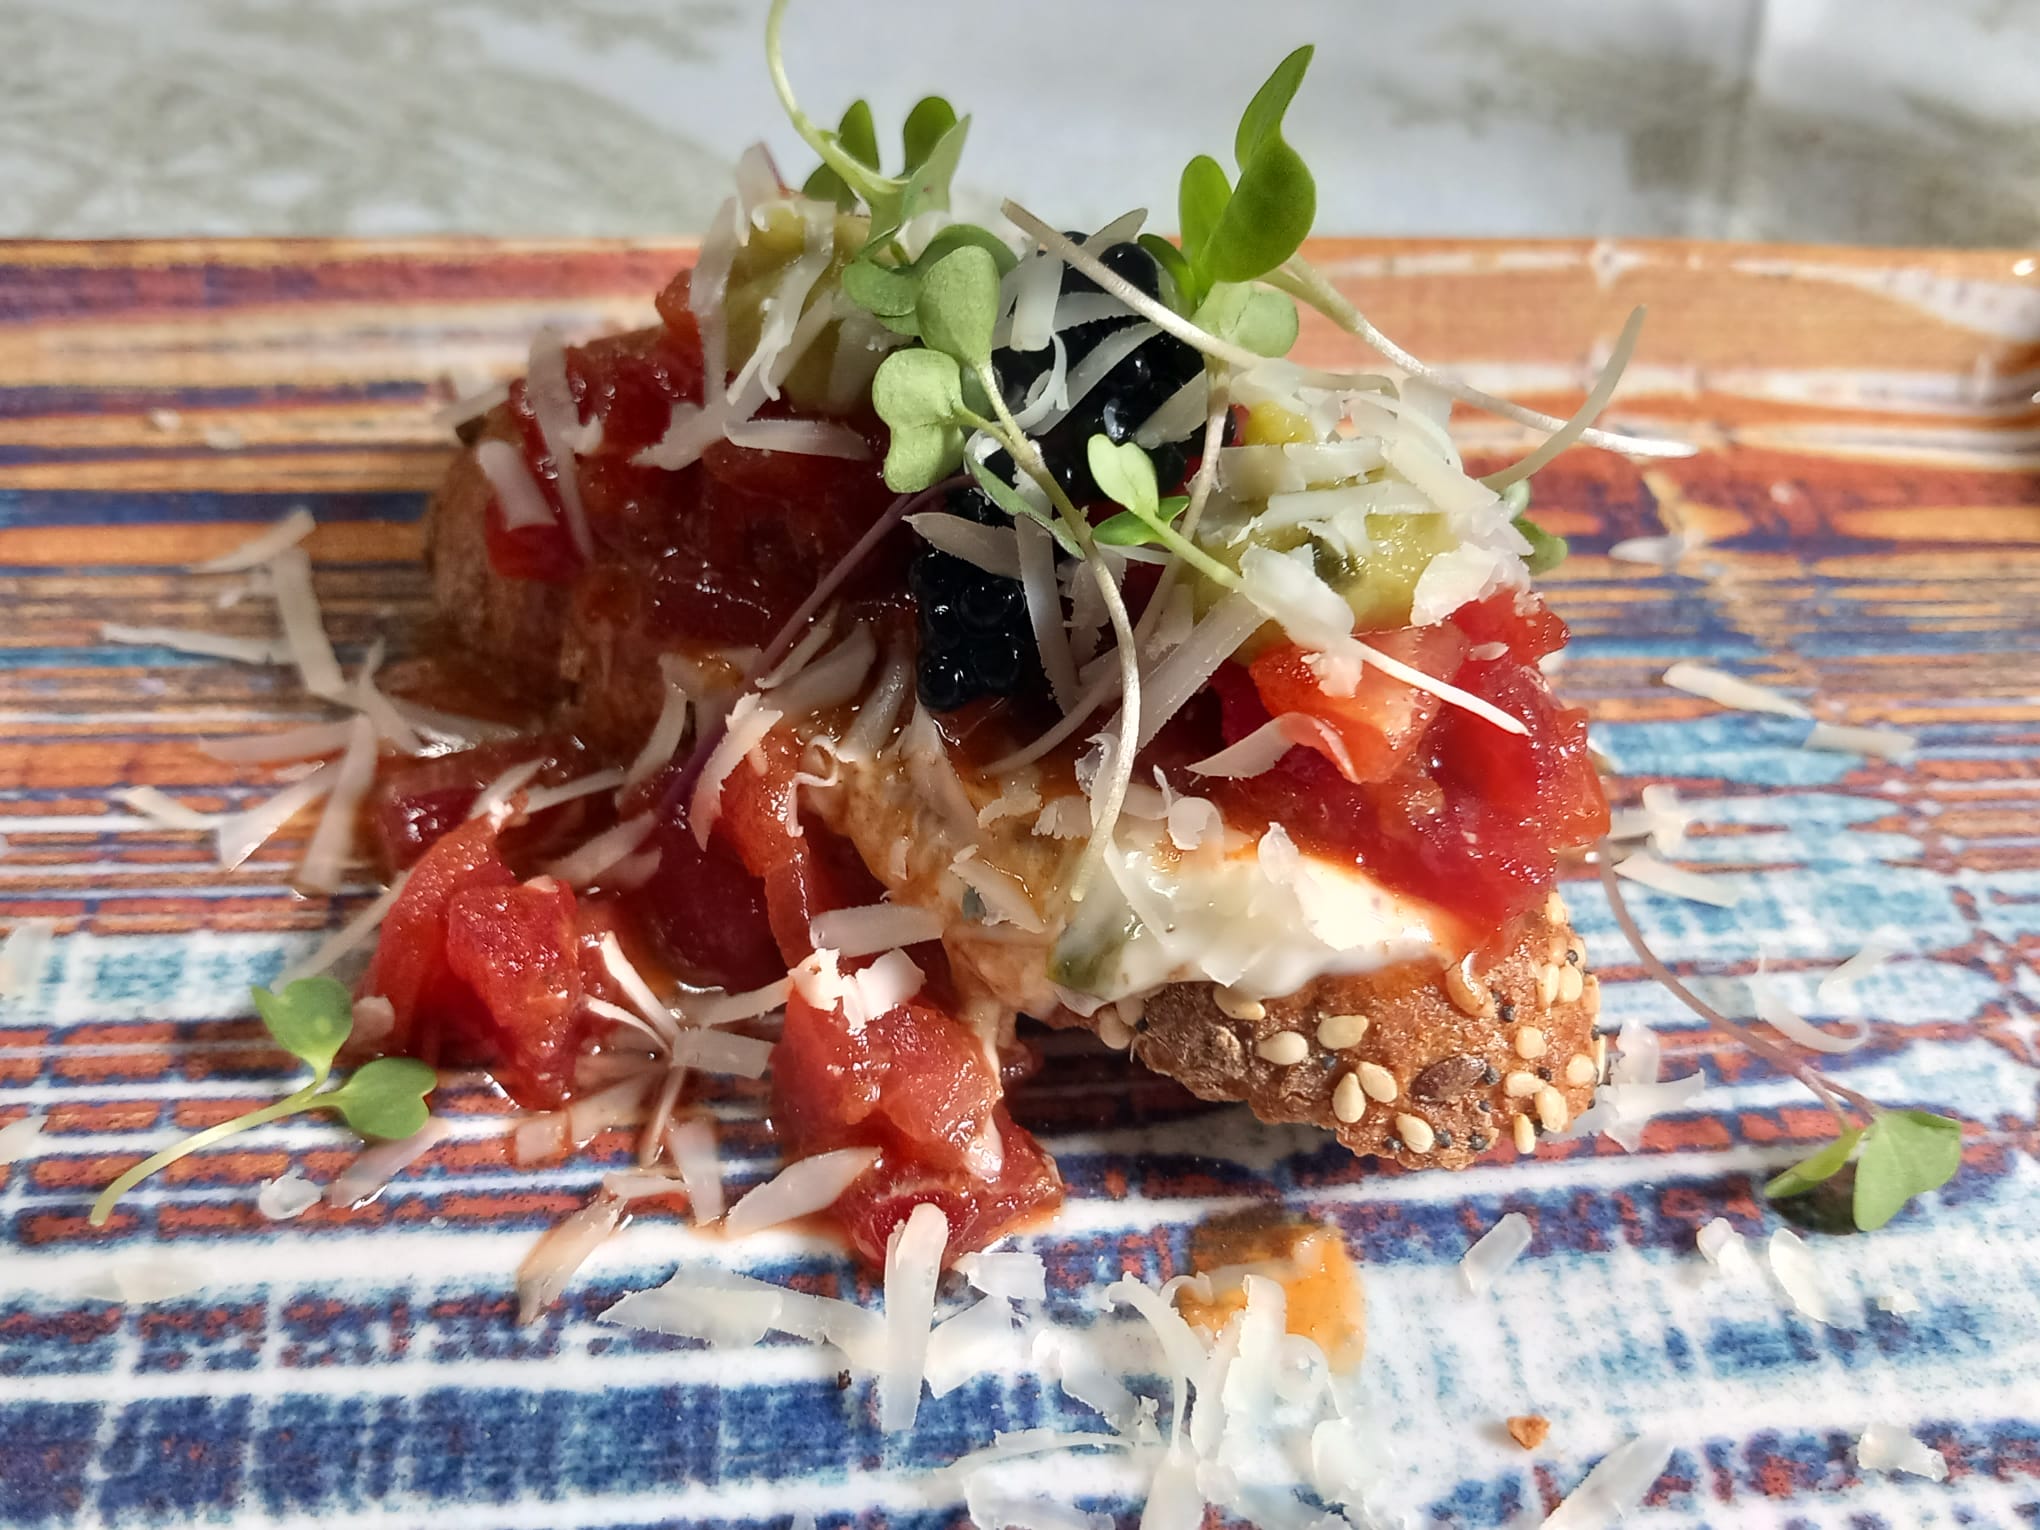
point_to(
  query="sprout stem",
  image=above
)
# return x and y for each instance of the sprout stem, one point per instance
(1028, 458)
(1304, 282)
(305, 1099)
(1826, 1090)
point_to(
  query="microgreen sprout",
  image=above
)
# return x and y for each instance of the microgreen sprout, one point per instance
(1898, 1153)
(1127, 477)
(311, 1019)
(1238, 233)
(933, 141)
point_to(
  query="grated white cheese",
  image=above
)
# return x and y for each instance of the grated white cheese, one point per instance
(351, 935)
(692, 1147)
(544, 797)
(22, 1139)
(147, 1279)
(1838, 986)
(661, 1019)
(1266, 745)
(803, 438)
(800, 1189)
(667, 733)
(1774, 1011)
(497, 799)
(292, 529)
(981, 1338)
(749, 721)
(1461, 576)
(375, 1166)
(1642, 867)
(913, 1263)
(325, 859)
(1663, 552)
(1494, 1251)
(1794, 1265)
(518, 496)
(211, 645)
(390, 723)
(726, 1008)
(160, 807)
(556, 1257)
(290, 571)
(1725, 1248)
(1044, 610)
(302, 743)
(551, 396)
(1876, 743)
(237, 835)
(1890, 1448)
(1731, 691)
(874, 927)
(1614, 1487)
(724, 1053)
(1015, 1275)
(731, 1311)
(586, 863)
(290, 1195)
(995, 549)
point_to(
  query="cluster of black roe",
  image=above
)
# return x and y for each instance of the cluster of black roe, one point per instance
(976, 639)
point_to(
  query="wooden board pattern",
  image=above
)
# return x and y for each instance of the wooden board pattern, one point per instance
(1869, 505)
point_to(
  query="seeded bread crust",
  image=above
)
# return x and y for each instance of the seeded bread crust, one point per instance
(515, 625)
(1409, 1063)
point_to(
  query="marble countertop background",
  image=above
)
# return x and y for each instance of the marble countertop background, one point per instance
(1873, 121)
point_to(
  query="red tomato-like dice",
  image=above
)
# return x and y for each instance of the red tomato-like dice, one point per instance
(518, 949)
(1383, 720)
(410, 966)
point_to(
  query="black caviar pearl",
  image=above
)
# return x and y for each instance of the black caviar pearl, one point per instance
(944, 684)
(996, 662)
(991, 604)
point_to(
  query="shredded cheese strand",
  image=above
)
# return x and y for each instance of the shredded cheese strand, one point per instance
(1589, 410)
(1307, 284)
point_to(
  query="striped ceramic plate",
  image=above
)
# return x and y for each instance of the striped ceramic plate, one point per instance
(1865, 530)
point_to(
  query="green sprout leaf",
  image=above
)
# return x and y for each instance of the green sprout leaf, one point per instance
(1269, 216)
(858, 138)
(851, 152)
(959, 304)
(889, 293)
(1263, 322)
(918, 458)
(914, 388)
(1129, 530)
(384, 1098)
(925, 186)
(1201, 197)
(1014, 503)
(1171, 260)
(926, 126)
(859, 135)
(1823, 1165)
(1262, 119)
(1124, 474)
(1907, 1153)
(919, 395)
(310, 1019)
(1547, 549)
(1127, 476)
(885, 292)
(1235, 233)
(960, 235)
